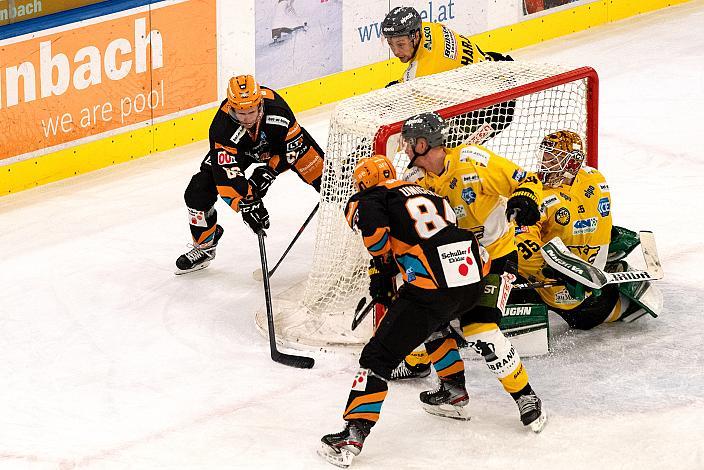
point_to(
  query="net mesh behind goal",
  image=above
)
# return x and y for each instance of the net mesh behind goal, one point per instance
(507, 107)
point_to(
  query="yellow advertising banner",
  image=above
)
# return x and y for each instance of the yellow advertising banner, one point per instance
(13, 11)
(105, 74)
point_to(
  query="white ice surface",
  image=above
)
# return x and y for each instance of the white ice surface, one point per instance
(109, 361)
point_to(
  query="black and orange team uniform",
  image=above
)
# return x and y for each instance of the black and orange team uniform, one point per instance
(412, 231)
(276, 144)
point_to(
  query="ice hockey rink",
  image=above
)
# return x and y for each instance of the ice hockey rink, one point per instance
(109, 361)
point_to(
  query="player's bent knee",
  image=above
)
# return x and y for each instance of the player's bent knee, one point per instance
(200, 193)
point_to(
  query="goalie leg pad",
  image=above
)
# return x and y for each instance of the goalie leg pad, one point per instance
(500, 356)
(645, 299)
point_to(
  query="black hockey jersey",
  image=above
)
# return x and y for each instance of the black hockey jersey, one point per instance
(277, 140)
(418, 229)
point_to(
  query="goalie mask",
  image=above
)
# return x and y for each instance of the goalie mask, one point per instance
(371, 171)
(562, 155)
(244, 95)
(429, 126)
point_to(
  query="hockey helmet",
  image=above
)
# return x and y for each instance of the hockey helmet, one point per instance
(371, 171)
(243, 93)
(430, 126)
(562, 155)
(401, 21)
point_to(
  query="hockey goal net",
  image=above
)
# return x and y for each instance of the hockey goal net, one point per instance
(506, 106)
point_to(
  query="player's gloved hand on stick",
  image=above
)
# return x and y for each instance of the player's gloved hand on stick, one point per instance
(522, 208)
(254, 214)
(261, 179)
(381, 287)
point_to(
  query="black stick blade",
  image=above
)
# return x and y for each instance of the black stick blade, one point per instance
(299, 362)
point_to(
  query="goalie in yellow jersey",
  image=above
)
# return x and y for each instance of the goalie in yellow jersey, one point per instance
(576, 207)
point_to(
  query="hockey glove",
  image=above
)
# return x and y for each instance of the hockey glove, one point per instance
(381, 286)
(254, 214)
(262, 177)
(523, 208)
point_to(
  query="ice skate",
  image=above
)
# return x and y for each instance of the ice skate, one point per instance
(532, 412)
(450, 400)
(406, 371)
(342, 447)
(200, 256)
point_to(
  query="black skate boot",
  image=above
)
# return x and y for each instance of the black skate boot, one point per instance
(450, 400)
(532, 413)
(200, 256)
(340, 448)
(406, 371)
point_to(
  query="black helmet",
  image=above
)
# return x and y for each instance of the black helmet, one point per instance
(401, 21)
(430, 126)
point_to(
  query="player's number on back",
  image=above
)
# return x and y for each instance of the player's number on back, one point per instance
(427, 220)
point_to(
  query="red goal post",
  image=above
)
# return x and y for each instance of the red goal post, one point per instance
(507, 107)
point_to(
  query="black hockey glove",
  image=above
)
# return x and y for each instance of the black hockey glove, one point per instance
(381, 286)
(254, 214)
(523, 208)
(262, 177)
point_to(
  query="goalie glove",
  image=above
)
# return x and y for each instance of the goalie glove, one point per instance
(522, 208)
(381, 286)
(254, 214)
(260, 181)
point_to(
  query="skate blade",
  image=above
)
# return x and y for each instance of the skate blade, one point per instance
(343, 459)
(538, 425)
(178, 272)
(449, 411)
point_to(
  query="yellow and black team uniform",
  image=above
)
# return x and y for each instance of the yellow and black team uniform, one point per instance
(441, 266)
(277, 141)
(441, 49)
(580, 215)
(475, 181)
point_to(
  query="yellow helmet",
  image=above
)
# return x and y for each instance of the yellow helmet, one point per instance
(561, 154)
(371, 171)
(243, 93)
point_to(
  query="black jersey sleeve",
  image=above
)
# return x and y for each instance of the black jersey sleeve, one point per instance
(367, 212)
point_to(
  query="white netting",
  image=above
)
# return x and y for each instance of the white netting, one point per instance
(522, 102)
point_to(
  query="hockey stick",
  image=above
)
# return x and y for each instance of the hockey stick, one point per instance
(559, 257)
(257, 275)
(360, 314)
(301, 362)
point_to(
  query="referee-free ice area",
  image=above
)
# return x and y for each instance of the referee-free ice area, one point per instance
(109, 361)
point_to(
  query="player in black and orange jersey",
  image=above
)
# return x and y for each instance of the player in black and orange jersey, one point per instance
(410, 230)
(254, 125)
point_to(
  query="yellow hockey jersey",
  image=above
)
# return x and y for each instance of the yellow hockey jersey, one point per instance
(580, 215)
(440, 50)
(476, 182)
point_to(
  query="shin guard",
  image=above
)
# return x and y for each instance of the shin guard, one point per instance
(366, 397)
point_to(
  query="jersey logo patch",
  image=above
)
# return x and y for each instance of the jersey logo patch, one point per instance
(603, 187)
(475, 154)
(453, 183)
(589, 192)
(278, 121)
(196, 218)
(410, 72)
(360, 381)
(458, 264)
(468, 195)
(450, 50)
(519, 175)
(562, 216)
(239, 133)
(550, 201)
(469, 179)
(232, 172)
(584, 226)
(225, 158)
(427, 38)
(604, 206)
(460, 212)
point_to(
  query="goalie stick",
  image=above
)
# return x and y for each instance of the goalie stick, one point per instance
(301, 362)
(561, 259)
(257, 275)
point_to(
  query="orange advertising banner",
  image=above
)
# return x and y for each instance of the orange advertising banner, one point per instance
(104, 74)
(20, 10)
